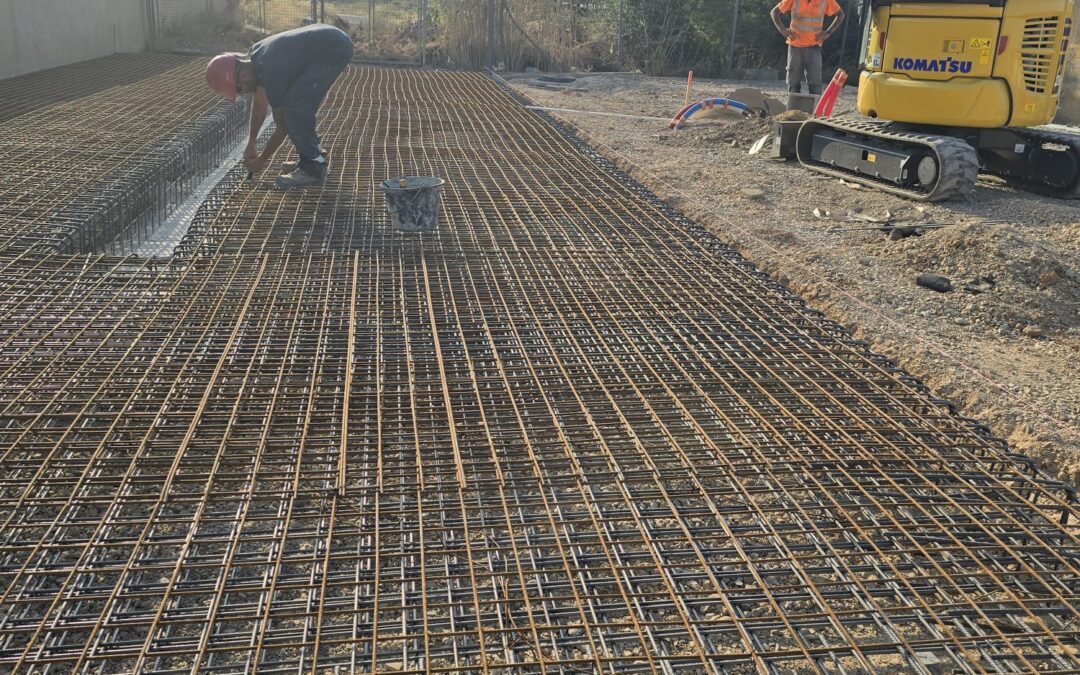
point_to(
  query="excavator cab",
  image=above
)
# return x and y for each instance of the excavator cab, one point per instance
(952, 88)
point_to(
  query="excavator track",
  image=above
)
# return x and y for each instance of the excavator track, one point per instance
(1069, 187)
(825, 146)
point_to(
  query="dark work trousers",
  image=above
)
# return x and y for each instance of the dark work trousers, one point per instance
(302, 102)
(804, 60)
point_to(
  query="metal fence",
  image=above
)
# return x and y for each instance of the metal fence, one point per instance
(383, 30)
(274, 16)
(727, 36)
(169, 14)
(393, 30)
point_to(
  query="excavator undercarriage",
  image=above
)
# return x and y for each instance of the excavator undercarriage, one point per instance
(919, 164)
(968, 87)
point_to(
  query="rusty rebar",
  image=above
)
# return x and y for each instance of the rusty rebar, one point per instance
(567, 431)
(94, 174)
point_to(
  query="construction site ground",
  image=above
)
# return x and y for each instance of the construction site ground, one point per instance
(1004, 350)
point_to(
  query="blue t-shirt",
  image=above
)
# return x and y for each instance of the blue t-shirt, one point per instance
(281, 58)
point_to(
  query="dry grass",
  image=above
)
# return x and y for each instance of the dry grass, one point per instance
(208, 35)
(392, 35)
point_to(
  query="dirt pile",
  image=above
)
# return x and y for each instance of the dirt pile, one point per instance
(1014, 280)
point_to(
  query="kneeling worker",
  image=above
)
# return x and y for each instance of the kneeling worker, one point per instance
(805, 36)
(289, 72)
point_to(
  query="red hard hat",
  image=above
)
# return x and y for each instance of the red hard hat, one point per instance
(221, 75)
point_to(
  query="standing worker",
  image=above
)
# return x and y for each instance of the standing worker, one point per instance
(804, 37)
(289, 72)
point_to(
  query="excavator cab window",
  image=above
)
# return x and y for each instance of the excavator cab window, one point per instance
(865, 10)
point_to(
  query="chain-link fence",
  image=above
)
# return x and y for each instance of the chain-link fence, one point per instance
(167, 14)
(384, 30)
(519, 34)
(656, 36)
(274, 16)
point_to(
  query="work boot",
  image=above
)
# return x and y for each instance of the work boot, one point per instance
(290, 166)
(298, 178)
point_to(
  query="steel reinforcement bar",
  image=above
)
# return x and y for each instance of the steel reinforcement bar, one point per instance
(89, 174)
(566, 432)
(25, 93)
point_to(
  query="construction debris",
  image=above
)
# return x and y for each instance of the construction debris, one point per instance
(759, 102)
(981, 284)
(935, 282)
(760, 144)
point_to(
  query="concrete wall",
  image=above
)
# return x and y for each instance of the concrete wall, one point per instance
(38, 34)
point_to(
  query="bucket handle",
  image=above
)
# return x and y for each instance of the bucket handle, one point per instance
(416, 192)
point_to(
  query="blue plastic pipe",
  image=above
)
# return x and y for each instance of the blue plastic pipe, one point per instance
(710, 103)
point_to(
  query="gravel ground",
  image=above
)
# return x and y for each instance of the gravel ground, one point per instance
(1003, 345)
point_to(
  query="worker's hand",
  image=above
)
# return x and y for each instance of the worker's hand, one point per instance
(821, 37)
(255, 164)
(789, 34)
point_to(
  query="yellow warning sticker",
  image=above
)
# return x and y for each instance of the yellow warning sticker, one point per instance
(980, 43)
(985, 57)
(1030, 107)
(871, 157)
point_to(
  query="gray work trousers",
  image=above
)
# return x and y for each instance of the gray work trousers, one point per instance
(303, 100)
(804, 60)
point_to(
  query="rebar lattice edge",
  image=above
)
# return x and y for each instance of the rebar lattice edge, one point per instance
(1020, 462)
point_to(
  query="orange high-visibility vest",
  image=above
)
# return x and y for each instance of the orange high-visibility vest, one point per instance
(808, 19)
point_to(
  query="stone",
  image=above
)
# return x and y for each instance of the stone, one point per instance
(961, 321)
(1048, 280)
(1033, 331)
(753, 193)
(935, 282)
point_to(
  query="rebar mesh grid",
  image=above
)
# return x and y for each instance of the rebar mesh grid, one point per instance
(566, 432)
(517, 184)
(25, 93)
(92, 173)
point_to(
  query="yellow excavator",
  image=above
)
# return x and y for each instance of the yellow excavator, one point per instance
(965, 86)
